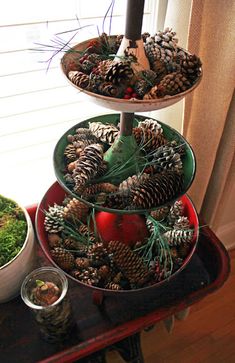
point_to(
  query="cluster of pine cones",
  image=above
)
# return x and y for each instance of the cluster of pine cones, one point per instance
(172, 69)
(78, 250)
(160, 180)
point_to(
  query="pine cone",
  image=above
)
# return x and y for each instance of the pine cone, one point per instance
(82, 134)
(144, 36)
(191, 67)
(87, 233)
(82, 263)
(54, 221)
(132, 181)
(152, 125)
(116, 201)
(152, 94)
(63, 258)
(119, 72)
(176, 211)
(87, 66)
(156, 190)
(102, 68)
(145, 80)
(172, 84)
(165, 158)
(166, 39)
(131, 265)
(175, 237)
(161, 213)
(112, 286)
(148, 139)
(87, 166)
(75, 210)
(95, 189)
(88, 276)
(80, 79)
(109, 89)
(54, 240)
(104, 132)
(182, 223)
(70, 153)
(72, 244)
(98, 254)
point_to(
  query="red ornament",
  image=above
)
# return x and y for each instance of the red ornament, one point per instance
(126, 228)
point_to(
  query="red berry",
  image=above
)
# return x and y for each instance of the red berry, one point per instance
(127, 97)
(129, 90)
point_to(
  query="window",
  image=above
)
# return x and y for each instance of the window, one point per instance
(38, 106)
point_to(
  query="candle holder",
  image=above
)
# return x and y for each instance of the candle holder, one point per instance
(45, 292)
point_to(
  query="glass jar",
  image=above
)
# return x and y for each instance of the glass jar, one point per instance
(44, 291)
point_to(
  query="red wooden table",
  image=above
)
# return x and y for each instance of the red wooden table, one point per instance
(117, 322)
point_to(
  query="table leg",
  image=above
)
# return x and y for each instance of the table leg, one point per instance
(130, 349)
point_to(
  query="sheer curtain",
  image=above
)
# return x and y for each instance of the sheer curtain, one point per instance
(209, 118)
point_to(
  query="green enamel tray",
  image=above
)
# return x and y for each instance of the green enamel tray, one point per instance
(189, 162)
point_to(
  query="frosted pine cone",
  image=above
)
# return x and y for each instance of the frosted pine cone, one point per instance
(166, 39)
(191, 67)
(176, 237)
(104, 132)
(165, 158)
(152, 125)
(131, 265)
(182, 223)
(54, 221)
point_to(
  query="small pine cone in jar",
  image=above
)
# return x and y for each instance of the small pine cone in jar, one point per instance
(80, 79)
(156, 190)
(148, 139)
(131, 265)
(75, 210)
(104, 132)
(87, 166)
(172, 84)
(63, 258)
(119, 73)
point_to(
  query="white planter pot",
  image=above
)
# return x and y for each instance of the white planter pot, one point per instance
(13, 273)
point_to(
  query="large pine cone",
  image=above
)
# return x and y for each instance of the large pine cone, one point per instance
(95, 189)
(172, 84)
(156, 190)
(131, 265)
(132, 181)
(104, 132)
(149, 140)
(175, 237)
(87, 166)
(80, 79)
(119, 72)
(63, 258)
(75, 210)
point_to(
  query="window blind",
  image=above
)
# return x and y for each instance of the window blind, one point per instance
(38, 105)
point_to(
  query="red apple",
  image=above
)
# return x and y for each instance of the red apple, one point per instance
(126, 228)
